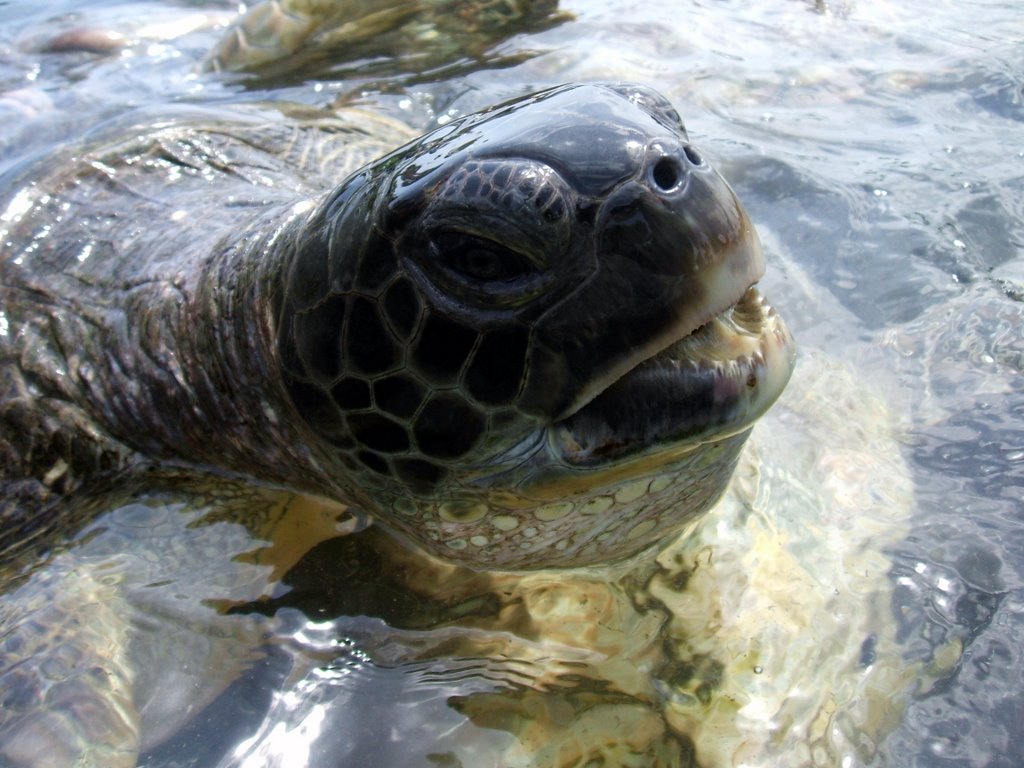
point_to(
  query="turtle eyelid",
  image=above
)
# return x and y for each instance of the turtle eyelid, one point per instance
(481, 259)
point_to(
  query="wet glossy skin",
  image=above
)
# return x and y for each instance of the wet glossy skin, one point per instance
(424, 341)
(527, 339)
(510, 268)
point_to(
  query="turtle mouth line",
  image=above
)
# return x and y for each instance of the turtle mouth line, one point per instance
(711, 383)
(733, 336)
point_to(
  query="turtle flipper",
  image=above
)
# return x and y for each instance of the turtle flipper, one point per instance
(65, 676)
(286, 36)
(264, 33)
(275, 29)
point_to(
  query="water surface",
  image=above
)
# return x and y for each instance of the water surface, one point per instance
(879, 150)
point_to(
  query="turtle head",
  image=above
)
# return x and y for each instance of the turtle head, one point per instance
(531, 336)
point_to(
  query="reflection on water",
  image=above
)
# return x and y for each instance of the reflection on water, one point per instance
(761, 637)
(878, 149)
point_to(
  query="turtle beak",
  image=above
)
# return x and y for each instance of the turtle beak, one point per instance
(673, 249)
(707, 386)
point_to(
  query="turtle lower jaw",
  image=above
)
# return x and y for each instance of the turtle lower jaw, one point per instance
(710, 384)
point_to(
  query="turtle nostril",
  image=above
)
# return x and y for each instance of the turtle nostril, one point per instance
(693, 155)
(666, 174)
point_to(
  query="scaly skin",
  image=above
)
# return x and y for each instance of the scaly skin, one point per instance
(526, 339)
(131, 339)
(422, 341)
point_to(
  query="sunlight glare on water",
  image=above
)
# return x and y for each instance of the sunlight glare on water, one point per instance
(869, 586)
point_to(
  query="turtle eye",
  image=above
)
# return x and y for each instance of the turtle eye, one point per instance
(494, 234)
(479, 259)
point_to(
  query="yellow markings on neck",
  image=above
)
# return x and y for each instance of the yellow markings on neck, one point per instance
(569, 482)
(461, 512)
(505, 522)
(550, 512)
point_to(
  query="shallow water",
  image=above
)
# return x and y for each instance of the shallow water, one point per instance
(879, 149)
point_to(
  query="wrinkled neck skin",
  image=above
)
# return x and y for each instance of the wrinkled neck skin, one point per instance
(226, 342)
(173, 365)
(509, 389)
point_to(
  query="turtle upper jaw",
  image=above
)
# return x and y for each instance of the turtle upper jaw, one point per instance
(705, 386)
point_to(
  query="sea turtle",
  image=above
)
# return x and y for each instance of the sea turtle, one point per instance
(528, 339)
